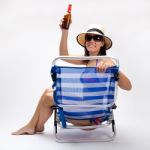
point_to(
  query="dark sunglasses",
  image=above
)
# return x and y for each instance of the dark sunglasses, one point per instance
(96, 38)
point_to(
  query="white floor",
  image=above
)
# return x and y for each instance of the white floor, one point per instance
(128, 137)
(132, 133)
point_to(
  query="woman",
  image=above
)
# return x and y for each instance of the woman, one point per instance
(95, 43)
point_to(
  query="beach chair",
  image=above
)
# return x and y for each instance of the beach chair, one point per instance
(83, 93)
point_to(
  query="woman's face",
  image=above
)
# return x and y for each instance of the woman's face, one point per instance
(93, 43)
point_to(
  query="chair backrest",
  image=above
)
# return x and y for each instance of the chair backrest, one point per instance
(84, 86)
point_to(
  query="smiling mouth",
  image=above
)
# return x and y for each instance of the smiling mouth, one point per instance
(91, 45)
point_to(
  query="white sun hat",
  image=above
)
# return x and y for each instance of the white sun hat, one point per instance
(94, 29)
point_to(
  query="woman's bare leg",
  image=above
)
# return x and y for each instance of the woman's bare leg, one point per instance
(41, 115)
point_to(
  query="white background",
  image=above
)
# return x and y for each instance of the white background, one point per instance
(29, 41)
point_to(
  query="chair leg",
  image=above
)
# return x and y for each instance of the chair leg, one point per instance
(113, 129)
(55, 118)
(113, 125)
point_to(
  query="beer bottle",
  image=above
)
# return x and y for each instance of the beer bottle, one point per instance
(67, 18)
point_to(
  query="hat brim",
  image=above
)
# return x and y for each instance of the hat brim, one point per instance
(81, 39)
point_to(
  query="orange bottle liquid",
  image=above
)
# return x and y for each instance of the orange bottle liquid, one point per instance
(67, 18)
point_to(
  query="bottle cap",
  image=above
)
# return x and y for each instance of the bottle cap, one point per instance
(69, 8)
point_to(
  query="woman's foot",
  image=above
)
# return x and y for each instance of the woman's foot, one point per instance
(27, 130)
(24, 130)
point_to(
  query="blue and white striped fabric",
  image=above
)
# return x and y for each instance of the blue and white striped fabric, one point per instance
(84, 86)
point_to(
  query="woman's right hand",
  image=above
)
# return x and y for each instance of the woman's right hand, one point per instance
(60, 24)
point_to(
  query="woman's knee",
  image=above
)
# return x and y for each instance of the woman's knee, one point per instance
(48, 90)
(48, 98)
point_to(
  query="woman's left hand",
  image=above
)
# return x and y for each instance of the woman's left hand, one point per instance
(104, 64)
